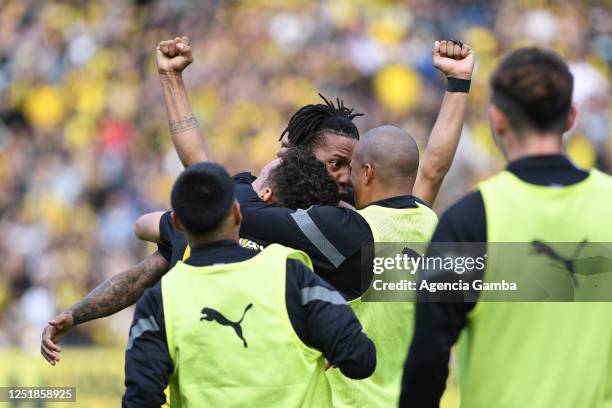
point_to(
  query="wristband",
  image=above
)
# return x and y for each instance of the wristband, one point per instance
(458, 85)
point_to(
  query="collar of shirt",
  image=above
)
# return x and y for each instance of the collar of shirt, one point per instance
(404, 201)
(554, 169)
(219, 252)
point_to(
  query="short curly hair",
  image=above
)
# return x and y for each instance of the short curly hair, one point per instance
(301, 181)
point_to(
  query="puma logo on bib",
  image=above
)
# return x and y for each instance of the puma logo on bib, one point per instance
(542, 248)
(214, 316)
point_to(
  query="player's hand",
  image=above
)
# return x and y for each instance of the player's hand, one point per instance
(173, 56)
(55, 331)
(453, 60)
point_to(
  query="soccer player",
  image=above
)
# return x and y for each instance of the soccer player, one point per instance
(522, 354)
(234, 327)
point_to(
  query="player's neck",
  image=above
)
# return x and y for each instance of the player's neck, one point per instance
(380, 193)
(527, 145)
(224, 235)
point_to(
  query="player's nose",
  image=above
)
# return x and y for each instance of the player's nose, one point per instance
(344, 182)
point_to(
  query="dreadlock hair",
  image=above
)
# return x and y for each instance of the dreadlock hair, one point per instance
(301, 181)
(307, 126)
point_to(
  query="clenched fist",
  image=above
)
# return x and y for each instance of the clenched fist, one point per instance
(453, 60)
(173, 56)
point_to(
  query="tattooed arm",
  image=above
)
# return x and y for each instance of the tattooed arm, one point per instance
(111, 296)
(173, 57)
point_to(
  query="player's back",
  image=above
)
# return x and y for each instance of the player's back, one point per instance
(549, 353)
(231, 340)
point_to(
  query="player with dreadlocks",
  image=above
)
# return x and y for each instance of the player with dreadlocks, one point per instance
(328, 131)
(310, 122)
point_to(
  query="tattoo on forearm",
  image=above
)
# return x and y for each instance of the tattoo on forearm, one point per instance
(121, 290)
(184, 125)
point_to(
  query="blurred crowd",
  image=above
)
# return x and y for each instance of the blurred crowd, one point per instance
(85, 148)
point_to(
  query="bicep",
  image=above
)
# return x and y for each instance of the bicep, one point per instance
(147, 227)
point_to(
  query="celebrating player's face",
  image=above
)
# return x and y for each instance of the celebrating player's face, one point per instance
(336, 153)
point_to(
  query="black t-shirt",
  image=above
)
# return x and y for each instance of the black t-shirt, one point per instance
(341, 228)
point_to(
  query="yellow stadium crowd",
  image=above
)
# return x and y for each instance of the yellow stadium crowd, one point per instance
(84, 146)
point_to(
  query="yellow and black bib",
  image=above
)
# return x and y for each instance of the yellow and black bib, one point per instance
(554, 354)
(231, 340)
(388, 324)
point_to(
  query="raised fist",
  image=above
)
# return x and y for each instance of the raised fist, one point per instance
(173, 56)
(453, 60)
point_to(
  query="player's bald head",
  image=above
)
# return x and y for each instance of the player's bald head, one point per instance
(391, 151)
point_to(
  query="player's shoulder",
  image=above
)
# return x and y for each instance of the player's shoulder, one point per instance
(470, 202)
(337, 215)
(304, 277)
(345, 228)
(165, 221)
(245, 194)
(601, 177)
(464, 220)
(167, 232)
(244, 178)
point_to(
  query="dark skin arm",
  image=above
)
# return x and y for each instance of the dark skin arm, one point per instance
(111, 296)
